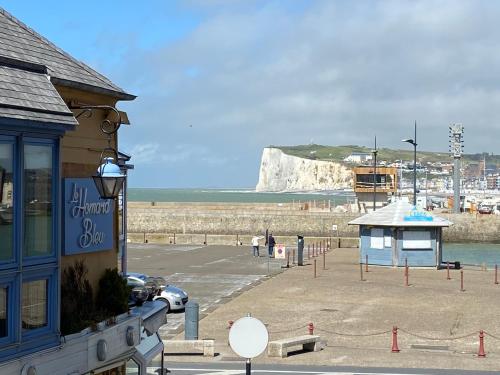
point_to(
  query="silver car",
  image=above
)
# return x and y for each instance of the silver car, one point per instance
(174, 297)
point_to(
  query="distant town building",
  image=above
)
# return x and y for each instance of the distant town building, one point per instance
(358, 157)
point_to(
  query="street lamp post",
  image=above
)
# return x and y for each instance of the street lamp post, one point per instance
(374, 152)
(414, 143)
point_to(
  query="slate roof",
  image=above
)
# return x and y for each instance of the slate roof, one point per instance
(393, 215)
(19, 42)
(30, 96)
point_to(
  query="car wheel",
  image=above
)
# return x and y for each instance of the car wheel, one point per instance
(166, 303)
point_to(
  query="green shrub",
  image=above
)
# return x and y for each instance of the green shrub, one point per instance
(77, 302)
(113, 294)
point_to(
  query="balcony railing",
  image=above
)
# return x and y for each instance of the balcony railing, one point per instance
(381, 186)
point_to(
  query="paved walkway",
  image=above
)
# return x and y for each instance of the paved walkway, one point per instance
(212, 275)
(438, 323)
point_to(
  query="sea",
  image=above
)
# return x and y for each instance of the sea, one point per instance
(336, 197)
(468, 254)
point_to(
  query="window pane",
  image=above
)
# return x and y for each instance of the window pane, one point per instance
(34, 307)
(6, 201)
(37, 200)
(3, 312)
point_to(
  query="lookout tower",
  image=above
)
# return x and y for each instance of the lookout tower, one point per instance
(365, 188)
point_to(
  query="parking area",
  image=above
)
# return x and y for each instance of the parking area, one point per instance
(211, 275)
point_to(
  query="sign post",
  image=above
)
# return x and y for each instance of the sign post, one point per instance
(248, 337)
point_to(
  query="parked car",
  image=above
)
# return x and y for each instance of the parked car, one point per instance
(153, 285)
(175, 298)
(138, 295)
(485, 210)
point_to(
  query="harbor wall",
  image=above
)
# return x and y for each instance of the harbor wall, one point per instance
(231, 223)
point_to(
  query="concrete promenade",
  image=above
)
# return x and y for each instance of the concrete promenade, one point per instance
(438, 323)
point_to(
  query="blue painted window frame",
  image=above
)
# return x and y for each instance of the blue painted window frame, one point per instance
(21, 269)
(14, 261)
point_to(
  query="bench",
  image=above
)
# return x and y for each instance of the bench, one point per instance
(279, 348)
(190, 346)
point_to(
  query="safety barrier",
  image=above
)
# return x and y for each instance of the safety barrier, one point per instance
(394, 332)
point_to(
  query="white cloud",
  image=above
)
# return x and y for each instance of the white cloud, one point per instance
(340, 72)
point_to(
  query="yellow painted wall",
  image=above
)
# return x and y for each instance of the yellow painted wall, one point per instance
(80, 155)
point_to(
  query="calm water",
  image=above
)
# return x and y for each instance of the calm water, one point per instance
(472, 253)
(233, 195)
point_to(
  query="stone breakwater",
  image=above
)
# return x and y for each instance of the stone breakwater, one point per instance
(231, 223)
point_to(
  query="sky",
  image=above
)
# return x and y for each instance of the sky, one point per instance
(219, 80)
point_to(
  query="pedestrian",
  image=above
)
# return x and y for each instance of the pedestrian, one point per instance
(271, 242)
(255, 245)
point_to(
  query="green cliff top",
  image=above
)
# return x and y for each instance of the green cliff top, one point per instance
(338, 153)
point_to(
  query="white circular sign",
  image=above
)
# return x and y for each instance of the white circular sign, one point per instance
(248, 337)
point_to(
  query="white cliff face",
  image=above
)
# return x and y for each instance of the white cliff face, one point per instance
(282, 172)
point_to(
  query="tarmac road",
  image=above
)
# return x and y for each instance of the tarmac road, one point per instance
(212, 275)
(239, 368)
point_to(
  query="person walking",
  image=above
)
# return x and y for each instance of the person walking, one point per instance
(271, 242)
(255, 245)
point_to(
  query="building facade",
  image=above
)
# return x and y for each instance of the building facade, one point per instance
(398, 234)
(52, 108)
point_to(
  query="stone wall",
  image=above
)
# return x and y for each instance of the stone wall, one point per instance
(224, 222)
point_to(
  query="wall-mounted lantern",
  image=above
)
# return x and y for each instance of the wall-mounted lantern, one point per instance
(109, 178)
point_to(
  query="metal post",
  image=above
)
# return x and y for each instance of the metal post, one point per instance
(395, 348)
(481, 353)
(496, 274)
(374, 152)
(191, 320)
(248, 367)
(462, 281)
(415, 168)
(314, 268)
(448, 271)
(308, 251)
(456, 186)
(324, 260)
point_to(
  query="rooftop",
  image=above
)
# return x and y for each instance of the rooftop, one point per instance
(401, 214)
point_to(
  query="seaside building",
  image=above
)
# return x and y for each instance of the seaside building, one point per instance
(386, 181)
(359, 157)
(398, 233)
(52, 110)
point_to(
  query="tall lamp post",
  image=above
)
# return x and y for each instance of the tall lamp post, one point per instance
(414, 143)
(374, 152)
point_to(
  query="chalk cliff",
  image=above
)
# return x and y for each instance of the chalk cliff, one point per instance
(282, 172)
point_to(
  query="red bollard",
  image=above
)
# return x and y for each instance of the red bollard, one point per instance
(366, 263)
(462, 281)
(310, 327)
(481, 352)
(229, 324)
(496, 274)
(448, 271)
(395, 348)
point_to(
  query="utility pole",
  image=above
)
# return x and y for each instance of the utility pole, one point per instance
(374, 152)
(456, 150)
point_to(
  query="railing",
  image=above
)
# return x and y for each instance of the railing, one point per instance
(379, 185)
